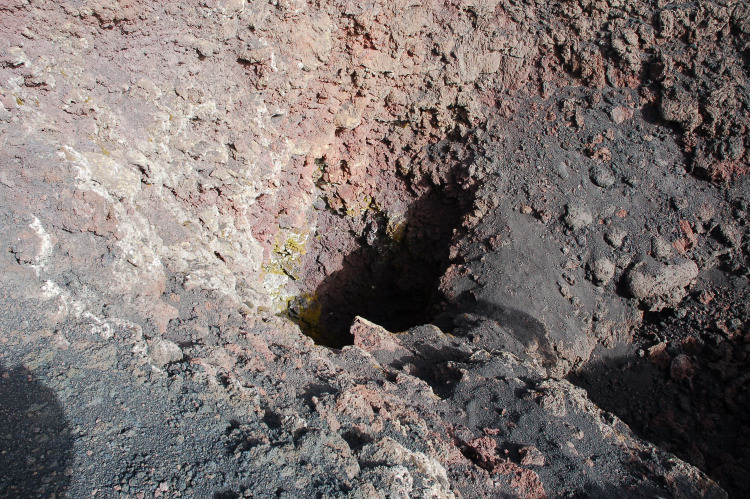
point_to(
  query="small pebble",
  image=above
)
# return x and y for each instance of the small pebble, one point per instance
(578, 217)
(319, 204)
(602, 176)
(164, 352)
(615, 237)
(660, 248)
(602, 271)
(562, 170)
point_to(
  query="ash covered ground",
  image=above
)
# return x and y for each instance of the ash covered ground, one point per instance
(384, 249)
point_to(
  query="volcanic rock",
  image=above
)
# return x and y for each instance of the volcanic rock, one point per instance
(657, 285)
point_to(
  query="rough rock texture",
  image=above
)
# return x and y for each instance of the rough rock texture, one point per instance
(659, 286)
(198, 199)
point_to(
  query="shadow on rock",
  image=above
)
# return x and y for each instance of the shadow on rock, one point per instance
(433, 365)
(494, 327)
(683, 405)
(35, 441)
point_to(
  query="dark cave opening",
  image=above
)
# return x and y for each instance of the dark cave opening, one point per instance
(389, 267)
(392, 275)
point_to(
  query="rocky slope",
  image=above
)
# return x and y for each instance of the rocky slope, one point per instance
(379, 249)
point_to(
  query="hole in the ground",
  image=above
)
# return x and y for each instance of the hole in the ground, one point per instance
(391, 275)
(383, 267)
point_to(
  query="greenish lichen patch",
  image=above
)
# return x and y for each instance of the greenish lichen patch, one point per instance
(284, 265)
(305, 310)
